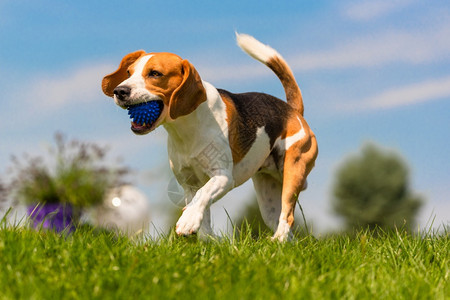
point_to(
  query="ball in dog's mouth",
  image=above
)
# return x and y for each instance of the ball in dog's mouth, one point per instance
(144, 115)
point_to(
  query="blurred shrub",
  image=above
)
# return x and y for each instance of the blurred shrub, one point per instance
(372, 190)
(251, 220)
(3, 194)
(78, 173)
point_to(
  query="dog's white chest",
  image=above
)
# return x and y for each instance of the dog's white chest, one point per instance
(198, 145)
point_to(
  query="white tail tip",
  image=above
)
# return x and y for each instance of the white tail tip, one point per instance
(255, 48)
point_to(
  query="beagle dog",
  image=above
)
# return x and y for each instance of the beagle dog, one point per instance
(217, 140)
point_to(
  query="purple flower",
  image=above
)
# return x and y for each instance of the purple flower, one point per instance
(56, 216)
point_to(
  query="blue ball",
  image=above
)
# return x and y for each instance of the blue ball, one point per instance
(146, 112)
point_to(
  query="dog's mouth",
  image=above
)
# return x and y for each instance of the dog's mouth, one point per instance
(145, 115)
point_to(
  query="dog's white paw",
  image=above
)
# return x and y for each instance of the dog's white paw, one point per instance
(283, 232)
(190, 221)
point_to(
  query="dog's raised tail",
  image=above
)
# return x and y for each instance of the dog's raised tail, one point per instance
(271, 58)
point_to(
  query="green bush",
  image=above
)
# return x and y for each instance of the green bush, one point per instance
(373, 190)
(77, 173)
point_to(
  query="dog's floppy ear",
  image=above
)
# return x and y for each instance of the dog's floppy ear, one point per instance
(111, 81)
(189, 94)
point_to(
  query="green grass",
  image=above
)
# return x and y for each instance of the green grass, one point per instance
(97, 265)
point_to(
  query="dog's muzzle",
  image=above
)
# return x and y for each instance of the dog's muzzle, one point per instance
(122, 93)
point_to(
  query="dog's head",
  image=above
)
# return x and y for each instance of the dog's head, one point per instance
(164, 77)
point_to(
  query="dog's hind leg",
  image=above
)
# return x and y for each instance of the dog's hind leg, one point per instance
(268, 193)
(297, 165)
(205, 230)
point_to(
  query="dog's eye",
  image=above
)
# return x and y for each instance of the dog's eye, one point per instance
(155, 74)
(128, 73)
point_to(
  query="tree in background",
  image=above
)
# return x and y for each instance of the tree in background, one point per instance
(3, 193)
(252, 220)
(373, 190)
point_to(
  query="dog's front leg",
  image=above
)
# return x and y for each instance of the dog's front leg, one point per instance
(193, 213)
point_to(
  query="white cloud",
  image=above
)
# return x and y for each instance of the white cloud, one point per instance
(80, 86)
(217, 73)
(368, 10)
(384, 49)
(46, 95)
(376, 51)
(426, 91)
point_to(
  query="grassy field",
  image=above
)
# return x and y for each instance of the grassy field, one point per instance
(97, 265)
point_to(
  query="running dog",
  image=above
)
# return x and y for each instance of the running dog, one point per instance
(217, 140)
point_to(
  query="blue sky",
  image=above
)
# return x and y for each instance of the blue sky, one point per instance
(369, 71)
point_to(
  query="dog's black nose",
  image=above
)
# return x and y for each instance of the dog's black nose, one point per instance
(122, 92)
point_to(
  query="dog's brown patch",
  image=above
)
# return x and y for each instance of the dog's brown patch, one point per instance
(293, 126)
(299, 161)
(111, 81)
(238, 150)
